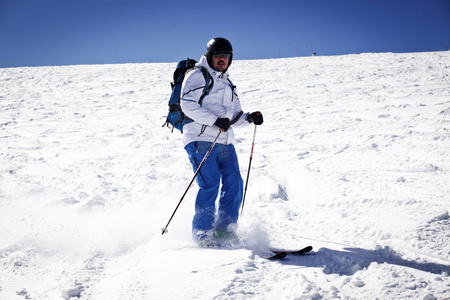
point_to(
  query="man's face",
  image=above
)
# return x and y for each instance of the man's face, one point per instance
(220, 61)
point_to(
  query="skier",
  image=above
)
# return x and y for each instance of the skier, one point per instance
(220, 110)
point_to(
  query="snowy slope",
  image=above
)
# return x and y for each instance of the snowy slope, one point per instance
(353, 159)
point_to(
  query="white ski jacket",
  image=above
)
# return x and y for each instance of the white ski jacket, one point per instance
(221, 102)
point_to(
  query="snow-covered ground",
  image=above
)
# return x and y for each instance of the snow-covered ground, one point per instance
(353, 159)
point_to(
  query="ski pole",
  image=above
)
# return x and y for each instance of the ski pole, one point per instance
(164, 229)
(248, 172)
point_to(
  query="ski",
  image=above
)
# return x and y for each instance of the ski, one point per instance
(279, 255)
(294, 252)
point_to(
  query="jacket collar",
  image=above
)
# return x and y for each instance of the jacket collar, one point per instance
(203, 62)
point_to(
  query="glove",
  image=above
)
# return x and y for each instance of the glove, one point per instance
(223, 123)
(255, 117)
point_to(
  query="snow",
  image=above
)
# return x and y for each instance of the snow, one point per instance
(352, 159)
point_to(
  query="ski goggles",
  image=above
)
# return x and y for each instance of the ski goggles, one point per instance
(221, 54)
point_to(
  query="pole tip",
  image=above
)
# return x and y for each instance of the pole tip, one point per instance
(164, 230)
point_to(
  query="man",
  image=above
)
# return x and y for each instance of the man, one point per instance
(220, 111)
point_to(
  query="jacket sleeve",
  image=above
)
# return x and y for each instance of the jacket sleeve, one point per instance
(191, 91)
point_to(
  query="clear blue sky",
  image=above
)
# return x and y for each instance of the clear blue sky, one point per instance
(66, 32)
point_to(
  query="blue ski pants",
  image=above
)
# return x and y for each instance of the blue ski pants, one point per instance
(221, 165)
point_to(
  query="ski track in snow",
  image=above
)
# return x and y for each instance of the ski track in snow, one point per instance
(352, 159)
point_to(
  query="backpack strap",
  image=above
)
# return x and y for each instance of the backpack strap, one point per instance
(209, 83)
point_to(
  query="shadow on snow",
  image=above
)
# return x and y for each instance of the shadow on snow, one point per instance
(351, 260)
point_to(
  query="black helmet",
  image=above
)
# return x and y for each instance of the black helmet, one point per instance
(218, 45)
